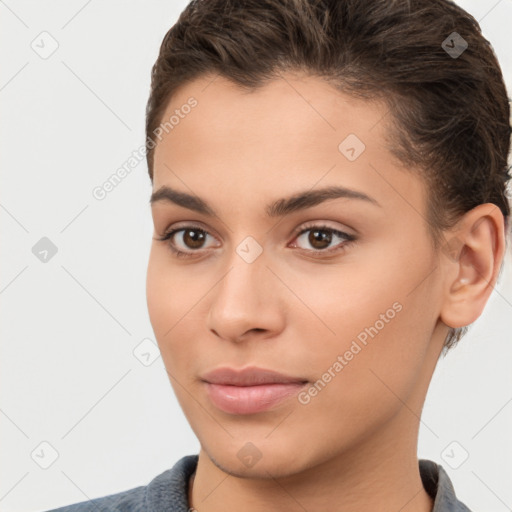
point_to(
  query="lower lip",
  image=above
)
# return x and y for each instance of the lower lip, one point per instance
(251, 399)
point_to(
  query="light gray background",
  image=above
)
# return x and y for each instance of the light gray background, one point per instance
(69, 376)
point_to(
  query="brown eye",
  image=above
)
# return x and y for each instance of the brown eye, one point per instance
(193, 238)
(186, 241)
(319, 239)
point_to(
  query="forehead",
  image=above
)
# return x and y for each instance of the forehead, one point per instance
(295, 116)
(291, 133)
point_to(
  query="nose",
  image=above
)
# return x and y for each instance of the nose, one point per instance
(245, 304)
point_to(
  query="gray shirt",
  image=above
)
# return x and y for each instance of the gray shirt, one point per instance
(168, 492)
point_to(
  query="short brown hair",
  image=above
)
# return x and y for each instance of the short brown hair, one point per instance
(450, 113)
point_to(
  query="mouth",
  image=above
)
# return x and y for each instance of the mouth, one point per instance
(249, 390)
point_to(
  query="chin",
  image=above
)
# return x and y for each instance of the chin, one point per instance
(259, 459)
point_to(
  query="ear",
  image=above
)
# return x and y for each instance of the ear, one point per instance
(471, 259)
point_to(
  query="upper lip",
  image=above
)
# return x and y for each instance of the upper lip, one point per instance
(252, 376)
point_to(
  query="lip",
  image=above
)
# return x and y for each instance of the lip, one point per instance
(250, 376)
(249, 390)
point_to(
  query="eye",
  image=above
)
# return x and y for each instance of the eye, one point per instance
(192, 240)
(321, 237)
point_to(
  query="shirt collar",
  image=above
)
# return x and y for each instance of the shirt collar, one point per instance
(169, 490)
(438, 485)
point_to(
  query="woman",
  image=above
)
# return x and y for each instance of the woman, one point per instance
(330, 214)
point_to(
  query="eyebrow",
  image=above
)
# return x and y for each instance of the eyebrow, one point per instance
(278, 208)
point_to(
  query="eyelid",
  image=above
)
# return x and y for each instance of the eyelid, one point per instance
(319, 224)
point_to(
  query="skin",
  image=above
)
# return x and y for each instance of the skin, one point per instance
(354, 445)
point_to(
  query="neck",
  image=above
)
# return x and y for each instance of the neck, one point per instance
(380, 473)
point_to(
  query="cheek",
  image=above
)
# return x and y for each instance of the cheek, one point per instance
(166, 300)
(377, 318)
(157, 296)
(170, 293)
(359, 386)
(174, 301)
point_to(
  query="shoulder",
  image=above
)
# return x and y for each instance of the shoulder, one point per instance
(166, 492)
(131, 500)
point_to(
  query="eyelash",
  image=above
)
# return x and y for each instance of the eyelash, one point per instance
(315, 227)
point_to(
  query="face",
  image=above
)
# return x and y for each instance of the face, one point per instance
(337, 292)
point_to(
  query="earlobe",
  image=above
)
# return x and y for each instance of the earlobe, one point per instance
(472, 264)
